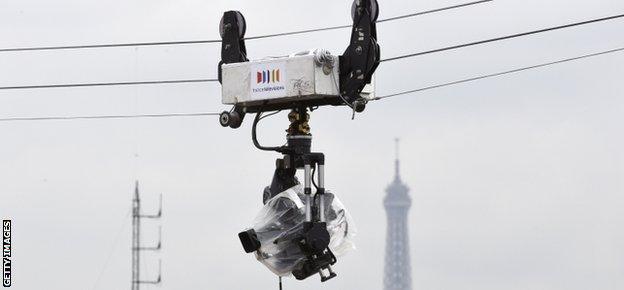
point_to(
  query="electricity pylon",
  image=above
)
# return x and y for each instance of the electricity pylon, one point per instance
(137, 247)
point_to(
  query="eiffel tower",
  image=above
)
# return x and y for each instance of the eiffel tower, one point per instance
(397, 269)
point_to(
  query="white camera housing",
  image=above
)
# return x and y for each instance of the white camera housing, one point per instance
(283, 80)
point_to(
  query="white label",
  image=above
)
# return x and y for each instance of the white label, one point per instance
(268, 81)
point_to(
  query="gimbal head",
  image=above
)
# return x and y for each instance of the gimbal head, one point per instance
(313, 238)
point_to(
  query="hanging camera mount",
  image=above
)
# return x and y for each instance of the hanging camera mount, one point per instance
(297, 83)
(314, 239)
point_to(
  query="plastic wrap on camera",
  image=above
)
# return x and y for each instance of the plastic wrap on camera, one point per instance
(280, 223)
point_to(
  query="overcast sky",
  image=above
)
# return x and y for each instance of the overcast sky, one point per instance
(516, 181)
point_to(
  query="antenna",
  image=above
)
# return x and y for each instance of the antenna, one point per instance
(396, 157)
(396, 148)
(137, 247)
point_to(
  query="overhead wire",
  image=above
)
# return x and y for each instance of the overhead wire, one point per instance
(103, 84)
(60, 118)
(377, 98)
(378, 21)
(383, 60)
(505, 37)
(116, 240)
(189, 42)
(500, 73)
(432, 11)
(130, 44)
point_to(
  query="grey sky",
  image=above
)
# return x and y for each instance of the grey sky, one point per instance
(516, 181)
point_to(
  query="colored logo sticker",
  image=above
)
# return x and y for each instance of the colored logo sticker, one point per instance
(268, 81)
(268, 76)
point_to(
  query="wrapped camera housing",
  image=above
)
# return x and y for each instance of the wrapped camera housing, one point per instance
(279, 227)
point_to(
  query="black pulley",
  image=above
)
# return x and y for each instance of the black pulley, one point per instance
(373, 9)
(235, 119)
(224, 118)
(232, 119)
(240, 21)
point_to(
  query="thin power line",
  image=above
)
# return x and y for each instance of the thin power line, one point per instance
(109, 45)
(501, 73)
(432, 11)
(113, 248)
(378, 21)
(219, 41)
(377, 98)
(108, 84)
(505, 37)
(388, 59)
(61, 118)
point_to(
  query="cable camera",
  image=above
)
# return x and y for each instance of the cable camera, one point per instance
(301, 228)
(310, 79)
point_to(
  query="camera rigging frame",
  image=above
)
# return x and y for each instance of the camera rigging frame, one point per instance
(355, 70)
